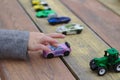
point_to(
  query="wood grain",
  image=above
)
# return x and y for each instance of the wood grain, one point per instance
(114, 5)
(99, 18)
(12, 16)
(85, 46)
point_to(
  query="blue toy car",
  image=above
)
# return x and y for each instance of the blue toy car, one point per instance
(58, 20)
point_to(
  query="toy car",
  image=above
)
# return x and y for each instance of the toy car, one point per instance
(44, 3)
(37, 2)
(70, 29)
(41, 7)
(62, 50)
(44, 13)
(109, 61)
(58, 20)
(38, 7)
(52, 16)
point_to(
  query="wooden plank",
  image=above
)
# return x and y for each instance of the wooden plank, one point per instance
(114, 5)
(12, 16)
(85, 46)
(99, 18)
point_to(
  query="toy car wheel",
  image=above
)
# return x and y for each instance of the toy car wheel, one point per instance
(52, 23)
(66, 22)
(66, 53)
(64, 33)
(117, 67)
(67, 44)
(45, 4)
(92, 65)
(50, 55)
(42, 16)
(78, 31)
(101, 71)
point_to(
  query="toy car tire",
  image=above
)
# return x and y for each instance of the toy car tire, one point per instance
(78, 31)
(101, 71)
(66, 53)
(92, 65)
(64, 33)
(52, 23)
(50, 55)
(38, 10)
(39, 16)
(67, 44)
(45, 4)
(66, 22)
(117, 67)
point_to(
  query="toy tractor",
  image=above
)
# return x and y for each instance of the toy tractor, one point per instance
(110, 60)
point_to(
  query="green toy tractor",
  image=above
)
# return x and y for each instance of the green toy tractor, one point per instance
(110, 60)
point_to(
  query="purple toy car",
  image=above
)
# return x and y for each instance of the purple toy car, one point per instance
(62, 50)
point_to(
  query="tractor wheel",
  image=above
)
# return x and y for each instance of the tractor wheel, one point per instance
(92, 65)
(66, 53)
(101, 71)
(50, 55)
(117, 67)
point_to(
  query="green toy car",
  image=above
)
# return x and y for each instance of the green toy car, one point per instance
(110, 60)
(44, 13)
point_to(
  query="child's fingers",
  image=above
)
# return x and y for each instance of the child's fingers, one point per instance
(56, 35)
(34, 52)
(40, 47)
(48, 40)
(43, 47)
(56, 45)
(51, 41)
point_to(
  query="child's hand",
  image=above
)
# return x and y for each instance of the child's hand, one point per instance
(39, 41)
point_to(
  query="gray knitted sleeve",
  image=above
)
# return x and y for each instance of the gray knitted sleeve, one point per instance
(13, 44)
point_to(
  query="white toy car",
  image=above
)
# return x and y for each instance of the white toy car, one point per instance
(70, 29)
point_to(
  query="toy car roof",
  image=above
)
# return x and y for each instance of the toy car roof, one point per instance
(112, 51)
(73, 26)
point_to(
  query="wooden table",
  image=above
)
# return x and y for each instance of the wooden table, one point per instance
(101, 22)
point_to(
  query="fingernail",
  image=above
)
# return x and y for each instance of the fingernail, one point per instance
(56, 41)
(63, 35)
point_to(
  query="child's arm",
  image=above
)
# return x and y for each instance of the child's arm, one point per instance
(13, 44)
(16, 44)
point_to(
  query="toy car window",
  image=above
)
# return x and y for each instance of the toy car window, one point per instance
(59, 49)
(72, 27)
(68, 26)
(53, 48)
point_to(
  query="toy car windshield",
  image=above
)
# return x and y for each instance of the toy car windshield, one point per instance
(53, 48)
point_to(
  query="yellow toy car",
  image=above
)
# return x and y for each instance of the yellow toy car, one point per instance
(38, 7)
(35, 2)
(41, 7)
